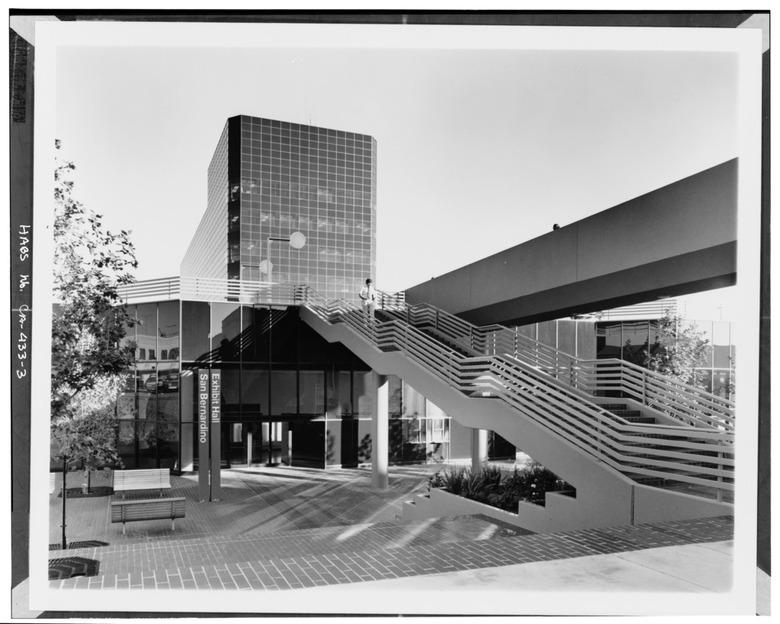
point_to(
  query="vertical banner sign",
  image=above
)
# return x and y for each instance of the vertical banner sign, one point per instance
(203, 434)
(216, 459)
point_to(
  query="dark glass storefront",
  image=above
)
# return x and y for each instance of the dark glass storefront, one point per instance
(288, 396)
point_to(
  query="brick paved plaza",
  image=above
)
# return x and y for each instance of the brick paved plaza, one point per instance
(280, 528)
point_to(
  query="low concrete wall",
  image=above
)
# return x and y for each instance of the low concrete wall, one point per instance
(656, 505)
(564, 513)
(445, 504)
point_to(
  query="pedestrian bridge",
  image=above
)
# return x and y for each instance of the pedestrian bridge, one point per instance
(675, 240)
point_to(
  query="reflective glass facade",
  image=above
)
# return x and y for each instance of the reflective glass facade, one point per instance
(207, 254)
(148, 407)
(271, 178)
(632, 340)
(287, 395)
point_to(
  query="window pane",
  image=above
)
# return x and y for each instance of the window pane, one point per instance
(147, 384)
(721, 344)
(394, 395)
(168, 325)
(312, 392)
(635, 337)
(195, 329)
(254, 391)
(225, 330)
(721, 381)
(129, 331)
(413, 401)
(231, 403)
(146, 329)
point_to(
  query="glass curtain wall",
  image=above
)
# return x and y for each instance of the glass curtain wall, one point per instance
(148, 406)
(281, 383)
(634, 340)
(317, 181)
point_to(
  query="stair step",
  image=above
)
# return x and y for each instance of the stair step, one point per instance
(626, 412)
(640, 420)
(613, 406)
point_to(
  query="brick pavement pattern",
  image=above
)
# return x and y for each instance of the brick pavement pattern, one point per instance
(281, 528)
(315, 557)
(254, 500)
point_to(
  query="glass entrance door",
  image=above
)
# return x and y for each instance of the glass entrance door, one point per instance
(242, 443)
(275, 448)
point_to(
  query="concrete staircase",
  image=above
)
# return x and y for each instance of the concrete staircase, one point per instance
(602, 454)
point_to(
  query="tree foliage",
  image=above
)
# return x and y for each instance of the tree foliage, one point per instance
(89, 322)
(678, 349)
(88, 434)
(89, 362)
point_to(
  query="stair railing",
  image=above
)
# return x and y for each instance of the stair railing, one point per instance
(687, 404)
(697, 457)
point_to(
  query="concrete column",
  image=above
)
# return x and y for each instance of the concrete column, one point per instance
(479, 449)
(379, 436)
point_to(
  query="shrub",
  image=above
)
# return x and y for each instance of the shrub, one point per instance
(495, 488)
(473, 486)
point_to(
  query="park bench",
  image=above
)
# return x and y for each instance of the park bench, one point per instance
(147, 509)
(145, 479)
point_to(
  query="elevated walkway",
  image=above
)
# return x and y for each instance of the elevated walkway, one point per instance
(672, 241)
(625, 471)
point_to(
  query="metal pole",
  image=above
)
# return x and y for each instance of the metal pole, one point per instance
(270, 384)
(64, 497)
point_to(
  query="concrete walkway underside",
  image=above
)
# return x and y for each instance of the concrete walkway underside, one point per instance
(283, 528)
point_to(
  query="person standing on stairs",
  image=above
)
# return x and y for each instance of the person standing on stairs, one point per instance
(368, 297)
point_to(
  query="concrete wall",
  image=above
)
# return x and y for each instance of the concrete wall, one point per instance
(677, 239)
(564, 513)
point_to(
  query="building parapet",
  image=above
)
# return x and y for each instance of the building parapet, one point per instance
(240, 291)
(648, 310)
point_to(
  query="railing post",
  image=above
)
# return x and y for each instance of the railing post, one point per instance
(644, 387)
(514, 342)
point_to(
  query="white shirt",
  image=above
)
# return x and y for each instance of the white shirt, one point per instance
(368, 295)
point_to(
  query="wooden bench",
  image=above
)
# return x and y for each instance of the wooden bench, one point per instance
(146, 479)
(147, 509)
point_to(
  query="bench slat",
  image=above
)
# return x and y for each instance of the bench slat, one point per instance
(148, 509)
(142, 479)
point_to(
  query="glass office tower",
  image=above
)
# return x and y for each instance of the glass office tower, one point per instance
(287, 395)
(268, 179)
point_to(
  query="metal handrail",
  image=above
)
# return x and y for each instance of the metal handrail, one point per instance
(696, 456)
(685, 403)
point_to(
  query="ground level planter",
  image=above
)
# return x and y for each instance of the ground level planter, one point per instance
(441, 503)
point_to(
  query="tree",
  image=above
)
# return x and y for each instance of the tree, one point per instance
(678, 348)
(88, 436)
(88, 325)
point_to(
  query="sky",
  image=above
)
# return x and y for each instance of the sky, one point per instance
(478, 150)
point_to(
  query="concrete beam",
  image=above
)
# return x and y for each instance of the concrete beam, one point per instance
(675, 240)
